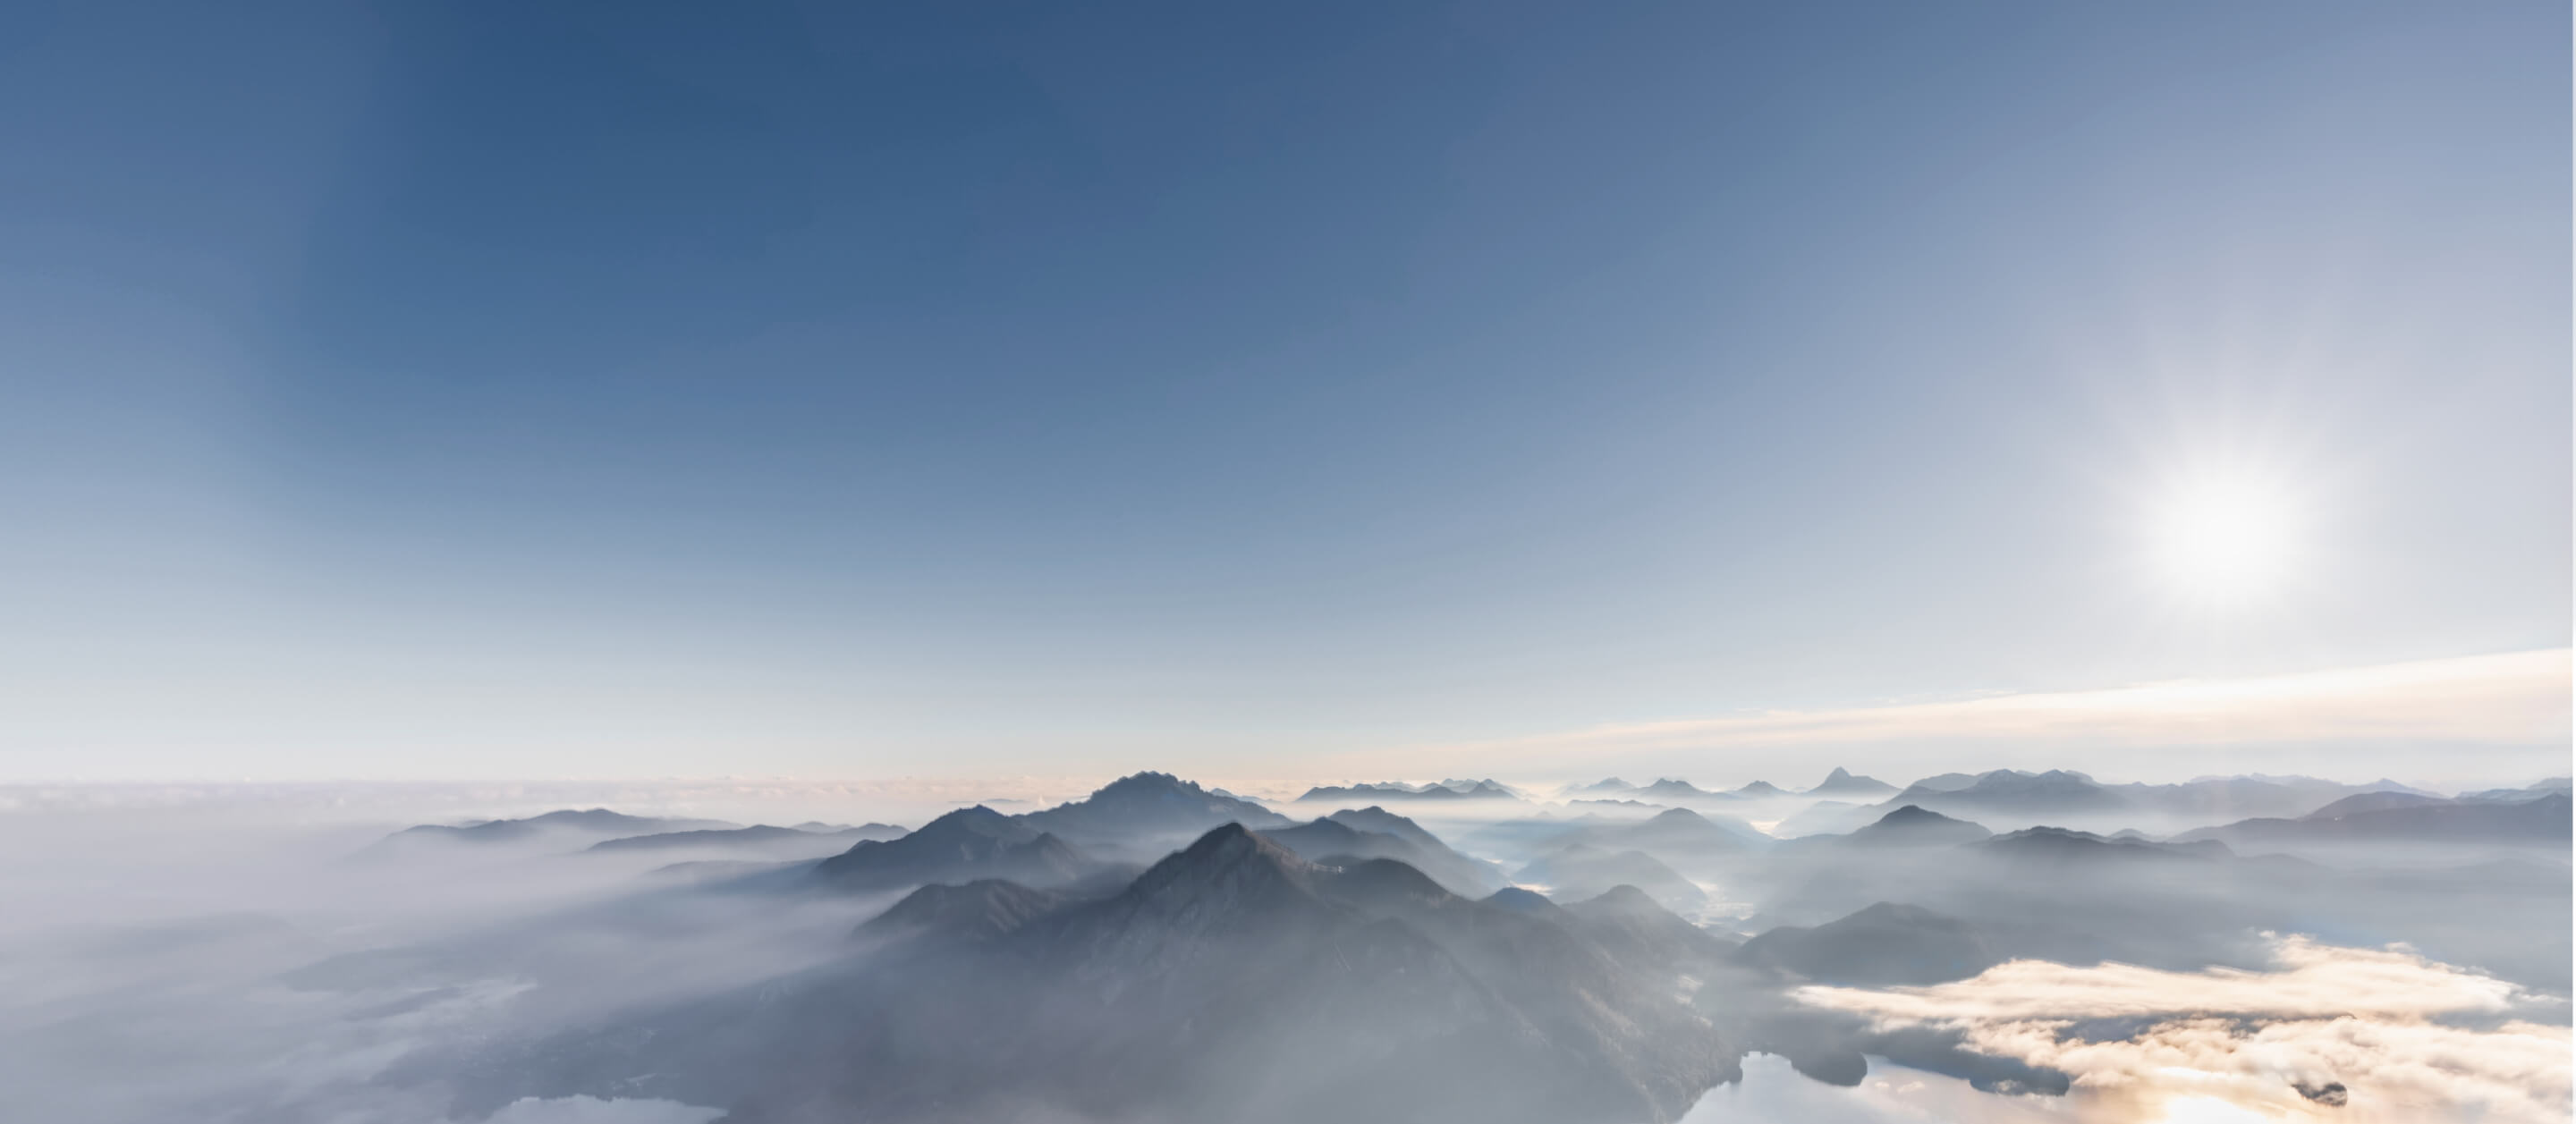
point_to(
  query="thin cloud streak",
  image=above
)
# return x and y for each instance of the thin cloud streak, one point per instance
(2504, 700)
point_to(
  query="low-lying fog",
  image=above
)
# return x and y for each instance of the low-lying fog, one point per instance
(283, 956)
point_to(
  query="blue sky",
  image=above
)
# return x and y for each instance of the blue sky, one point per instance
(625, 389)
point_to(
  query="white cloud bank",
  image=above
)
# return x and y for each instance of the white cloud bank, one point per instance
(2407, 1039)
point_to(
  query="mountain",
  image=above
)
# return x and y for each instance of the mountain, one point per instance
(2063, 847)
(1231, 981)
(1337, 842)
(1607, 786)
(977, 911)
(1374, 818)
(1841, 783)
(1627, 922)
(2372, 802)
(1582, 870)
(2544, 820)
(1911, 826)
(1759, 790)
(2532, 791)
(1884, 945)
(1148, 808)
(756, 835)
(966, 845)
(2008, 793)
(1391, 790)
(591, 821)
(2203, 799)
(1682, 830)
(1827, 817)
(1673, 788)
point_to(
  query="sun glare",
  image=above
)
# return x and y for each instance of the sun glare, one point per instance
(2225, 537)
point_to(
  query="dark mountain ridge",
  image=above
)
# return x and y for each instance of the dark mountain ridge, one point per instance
(1395, 790)
(1331, 838)
(1230, 981)
(2541, 821)
(1842, 783)
(594, 822)
(966, 845)
(753, 836)
(1144, 808)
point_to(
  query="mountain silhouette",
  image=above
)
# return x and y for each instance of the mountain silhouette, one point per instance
(754, 836)
(1883, 945)
(1145, 807)
(2544, 820)
(1583, 870)
(1333, 838)
(966, 845)
(1842, 784)
(1911, 826)
(569, 823)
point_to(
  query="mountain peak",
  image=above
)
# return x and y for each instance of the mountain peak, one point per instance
(1844, 782)
(1148, 807)
(1623, 898)
(978, 910)
(1148, 781)
(976, 820)
(1226, 851)
(1229, 878)
(1915, 824)
(1519, 900)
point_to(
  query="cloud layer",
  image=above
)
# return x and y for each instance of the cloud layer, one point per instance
(2355, 1035)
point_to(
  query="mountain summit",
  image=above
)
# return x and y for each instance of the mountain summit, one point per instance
(1842, 783)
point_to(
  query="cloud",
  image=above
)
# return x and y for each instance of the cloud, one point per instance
(2512, 699)
(1892, 1094)
(2312, 980)
(2388, 1034)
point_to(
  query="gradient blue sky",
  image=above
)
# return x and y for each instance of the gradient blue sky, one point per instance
(624, 389)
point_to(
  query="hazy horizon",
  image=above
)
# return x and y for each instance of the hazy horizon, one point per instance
(1164, 563)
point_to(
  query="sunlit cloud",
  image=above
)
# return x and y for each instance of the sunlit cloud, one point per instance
(2309, 980)
(2355, 1035)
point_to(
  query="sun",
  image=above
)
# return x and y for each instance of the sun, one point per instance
(2225, 536)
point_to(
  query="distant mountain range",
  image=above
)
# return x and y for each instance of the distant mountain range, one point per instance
(1842, 785)
(969, 844)
(757, 835)
(596, 823)
(1586, 870)
(1231, 981)
(2400, 818)
(1883, 945)
(1448, 790)
(1352, 836)
(1355, 966)
(1149, 806)
(1910, 826)
(1840, 782)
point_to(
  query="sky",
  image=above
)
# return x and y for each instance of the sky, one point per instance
(1342, 389)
